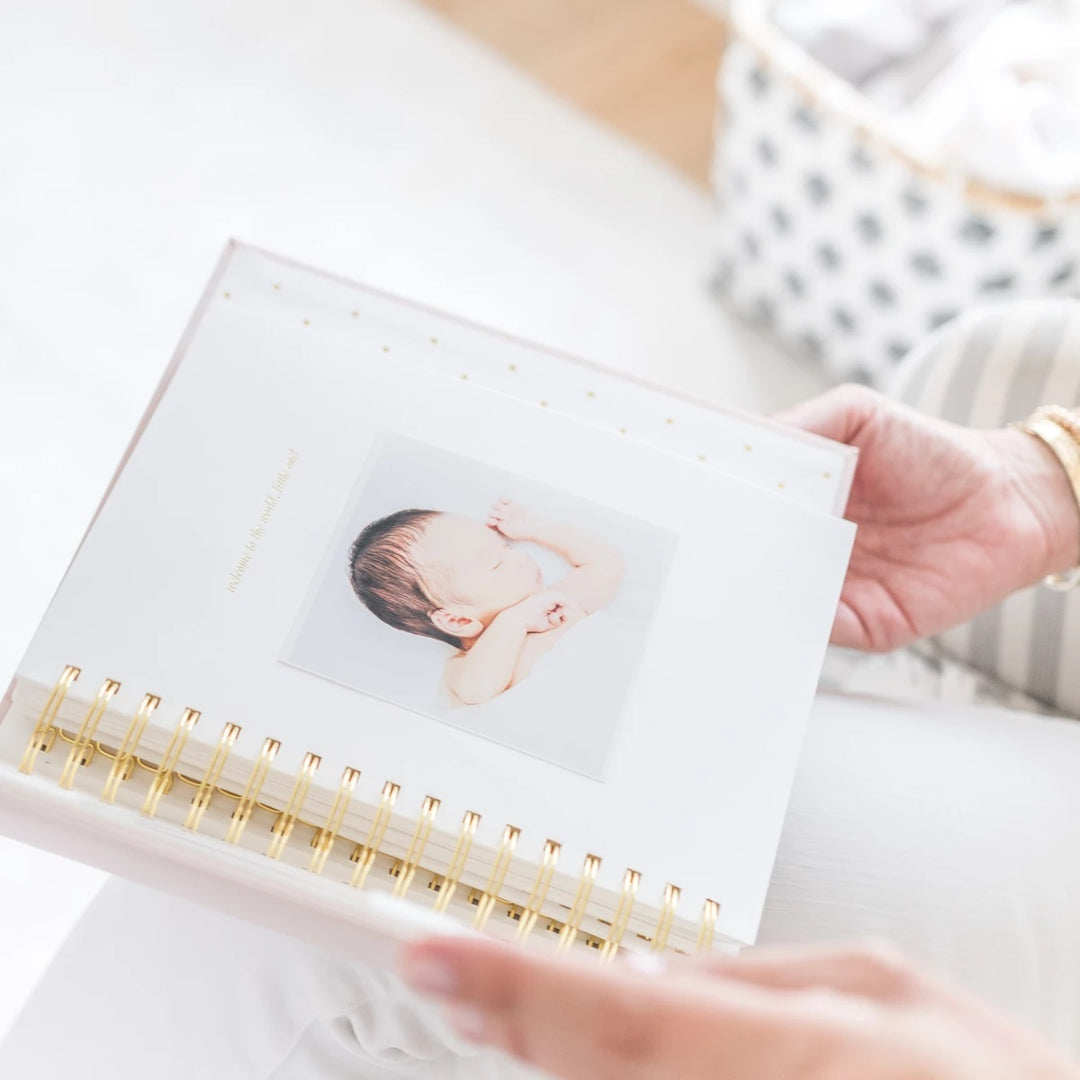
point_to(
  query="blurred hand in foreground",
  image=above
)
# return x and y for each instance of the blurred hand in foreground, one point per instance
(809, 1014)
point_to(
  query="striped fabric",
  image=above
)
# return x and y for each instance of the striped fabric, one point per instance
(988, 367)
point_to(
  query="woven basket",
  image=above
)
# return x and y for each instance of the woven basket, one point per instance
(841, 240)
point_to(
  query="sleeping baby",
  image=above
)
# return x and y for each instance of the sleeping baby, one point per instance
(463, 581)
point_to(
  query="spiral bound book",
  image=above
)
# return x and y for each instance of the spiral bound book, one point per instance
(390, 622)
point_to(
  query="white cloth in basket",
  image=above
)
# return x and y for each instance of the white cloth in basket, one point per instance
(889, 49)
(1007, 111)
(991, 88)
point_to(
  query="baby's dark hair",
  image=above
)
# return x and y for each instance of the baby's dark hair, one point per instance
(388, 581)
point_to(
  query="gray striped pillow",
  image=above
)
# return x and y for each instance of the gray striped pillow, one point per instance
(984, 369)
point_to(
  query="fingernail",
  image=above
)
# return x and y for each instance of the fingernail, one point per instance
(469, 1022)
(428, 976)
(646, 963)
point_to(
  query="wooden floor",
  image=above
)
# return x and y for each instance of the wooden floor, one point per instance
(646, 67)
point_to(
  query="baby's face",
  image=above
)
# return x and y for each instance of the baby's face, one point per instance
(466, 563)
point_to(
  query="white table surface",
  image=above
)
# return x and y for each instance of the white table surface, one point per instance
(370, 139)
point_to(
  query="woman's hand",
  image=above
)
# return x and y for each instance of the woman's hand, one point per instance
(951, 520)
(821, 1014)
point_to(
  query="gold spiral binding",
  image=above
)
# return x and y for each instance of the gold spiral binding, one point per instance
(364, 854)
(200, 801)
(498, 875)
(83, 739)
(407, 869)
(285, 824)
(324, 838)
(539, 890)
(124, 763)
(581, 902)
(621, 919)
(448, 883)
(244, 808)
(667, 917)
(710, 913)
(84, 747)
(41, 738)
(163, 773)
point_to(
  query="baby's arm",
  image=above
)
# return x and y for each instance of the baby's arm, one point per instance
(488, 668)
(598, 567)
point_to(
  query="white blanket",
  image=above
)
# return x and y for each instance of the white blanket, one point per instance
(988, 87)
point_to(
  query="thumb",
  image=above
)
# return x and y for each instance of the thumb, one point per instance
(870, 969)
(838, 414)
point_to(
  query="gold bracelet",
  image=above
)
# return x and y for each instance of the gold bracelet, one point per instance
(1064, 418)
(1059, 429)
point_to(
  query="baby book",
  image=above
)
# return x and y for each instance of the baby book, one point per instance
(388, 622)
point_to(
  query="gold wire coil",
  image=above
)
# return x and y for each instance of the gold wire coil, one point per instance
(709, 915)
(41, 738)
(570, 928)
(246, 806)
(667, 917)
(284, 825)
(621, 919)
(200, 801)
(498, 875)
(124, 761)
(324, 838)
(163, 773)
(407, 869)
(539, 891)
(78, 754)
(83, 747)
(364, 854)
(448, 883)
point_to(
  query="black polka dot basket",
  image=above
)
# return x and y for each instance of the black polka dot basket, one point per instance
(840, 242)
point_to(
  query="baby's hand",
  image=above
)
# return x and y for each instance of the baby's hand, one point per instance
(542, 611)
(512, 520)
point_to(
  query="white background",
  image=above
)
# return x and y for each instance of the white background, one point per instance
(369, 139)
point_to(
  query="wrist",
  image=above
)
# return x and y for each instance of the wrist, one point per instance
(511, 620)
(1042, 483)
(529, 529)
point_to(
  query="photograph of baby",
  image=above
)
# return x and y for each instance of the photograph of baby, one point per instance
(486, 600)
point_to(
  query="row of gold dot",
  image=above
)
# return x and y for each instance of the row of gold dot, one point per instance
(513, 367)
